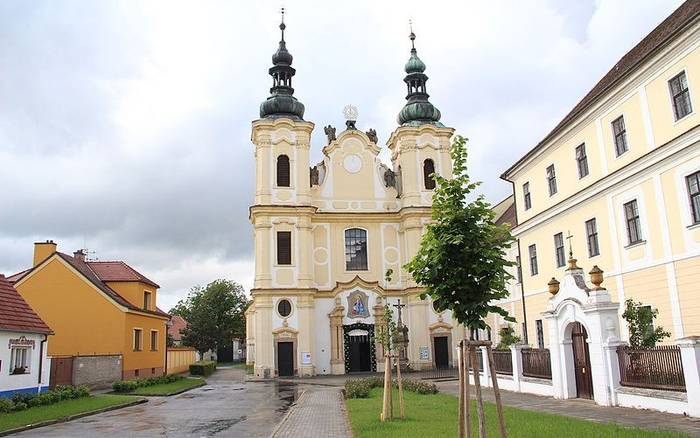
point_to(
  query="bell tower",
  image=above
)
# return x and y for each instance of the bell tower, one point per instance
(420, 146)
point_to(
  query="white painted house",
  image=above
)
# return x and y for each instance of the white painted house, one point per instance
(24, 366)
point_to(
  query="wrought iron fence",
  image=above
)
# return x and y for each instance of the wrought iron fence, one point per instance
(503, 362)
(655, 368)
(436, 373)
(537, 363)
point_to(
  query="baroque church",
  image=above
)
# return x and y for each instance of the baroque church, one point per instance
(331, 239)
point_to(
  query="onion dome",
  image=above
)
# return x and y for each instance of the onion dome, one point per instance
(282, 102)
(418, 110)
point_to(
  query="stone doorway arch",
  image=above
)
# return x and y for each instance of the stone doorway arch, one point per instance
(583, 328)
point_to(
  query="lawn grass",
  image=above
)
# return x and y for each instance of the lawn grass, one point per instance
(436, 415)
(169, 388)
(60, 410)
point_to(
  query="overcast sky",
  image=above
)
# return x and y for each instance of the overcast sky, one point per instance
(125, 125)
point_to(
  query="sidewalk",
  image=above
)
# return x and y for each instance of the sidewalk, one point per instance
(319, 413)
(587, 410)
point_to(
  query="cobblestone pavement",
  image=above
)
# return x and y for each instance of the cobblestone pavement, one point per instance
(587, 410)
(226, 407)
(319, 413)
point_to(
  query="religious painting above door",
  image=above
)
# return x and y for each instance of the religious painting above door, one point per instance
(357, 305)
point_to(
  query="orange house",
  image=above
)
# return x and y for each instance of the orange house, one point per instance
(95, 308)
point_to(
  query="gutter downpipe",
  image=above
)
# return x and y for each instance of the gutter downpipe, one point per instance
(41, 362)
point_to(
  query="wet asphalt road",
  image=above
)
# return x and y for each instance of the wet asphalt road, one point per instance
(226, 407)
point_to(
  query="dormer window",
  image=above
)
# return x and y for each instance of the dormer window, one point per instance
(283, 171)
(428, 174)
(146, 300)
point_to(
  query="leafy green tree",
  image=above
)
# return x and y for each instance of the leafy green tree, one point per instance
(461, 261)
(214, 315)
(640, 320)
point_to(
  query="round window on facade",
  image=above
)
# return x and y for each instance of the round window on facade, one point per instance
(284, 308)
(435, 307)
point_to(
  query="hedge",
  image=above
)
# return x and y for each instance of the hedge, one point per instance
(359, 388)
(203, 368)
(131, 385)
(22, 401)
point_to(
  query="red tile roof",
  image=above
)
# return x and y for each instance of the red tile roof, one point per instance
(15, 313)
(177, 323)
(657, 38)
(118, 271)
(86, 270)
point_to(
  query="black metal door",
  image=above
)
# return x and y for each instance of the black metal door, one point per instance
(582, 362)
(359, 354)
(285, 359)
(442, 357)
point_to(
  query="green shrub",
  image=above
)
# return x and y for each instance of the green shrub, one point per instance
(131, 385)
(359, 388)
(82, 391)
(6, 405)
(125, 385)
(21, 397)
(20, 406)
(203, 368)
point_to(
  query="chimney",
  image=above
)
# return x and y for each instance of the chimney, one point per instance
(79, 255)
(42, 250)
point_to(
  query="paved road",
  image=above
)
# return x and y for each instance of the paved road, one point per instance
(226, 407)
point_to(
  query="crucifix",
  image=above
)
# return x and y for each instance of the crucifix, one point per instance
(571, 251)
(400, 306)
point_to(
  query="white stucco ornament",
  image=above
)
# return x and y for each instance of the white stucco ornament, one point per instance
(352, 163)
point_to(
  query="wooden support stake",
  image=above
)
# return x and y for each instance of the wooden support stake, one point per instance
(479, 398)
(398, 378)
(467, 400)
(496, 392)
(462, 404)
(386, 402)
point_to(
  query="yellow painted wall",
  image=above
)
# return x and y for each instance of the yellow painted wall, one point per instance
(133, 292)
(180, 358)
(84, 322)
(146, 358)
(688, 283)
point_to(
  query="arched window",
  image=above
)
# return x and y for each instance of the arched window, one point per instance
(355, 249)
(282, 171)
(428, 171)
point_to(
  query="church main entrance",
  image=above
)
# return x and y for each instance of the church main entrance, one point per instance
(582, 362)
(360, 352)
(440, 350)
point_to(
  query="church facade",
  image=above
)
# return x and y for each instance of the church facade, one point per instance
(331, 239)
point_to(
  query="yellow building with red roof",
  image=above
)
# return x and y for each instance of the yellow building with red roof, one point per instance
(96, 308)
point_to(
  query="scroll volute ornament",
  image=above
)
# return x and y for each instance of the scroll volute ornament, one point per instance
(596, 277)
(553, 286)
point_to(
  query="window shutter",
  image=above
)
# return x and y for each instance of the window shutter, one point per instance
(284, 247)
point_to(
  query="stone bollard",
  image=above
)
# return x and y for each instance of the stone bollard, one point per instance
(690, 355)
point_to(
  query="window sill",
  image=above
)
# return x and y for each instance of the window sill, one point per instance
(592, 256)
(694, 226)
(636, 244)
(677, 121)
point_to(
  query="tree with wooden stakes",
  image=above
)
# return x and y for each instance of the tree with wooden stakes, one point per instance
(388, 336)
(461, 264)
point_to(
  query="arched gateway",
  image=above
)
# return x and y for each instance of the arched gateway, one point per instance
(584, 330)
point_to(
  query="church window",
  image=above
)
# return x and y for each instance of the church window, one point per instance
(284, 308)
(282, 171)
(355, 249)
(559, 249)
(428, 171)
(634, 226)
(284, 247)
(551, 180)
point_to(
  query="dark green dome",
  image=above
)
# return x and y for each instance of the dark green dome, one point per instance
(418, 109)
(282, 102)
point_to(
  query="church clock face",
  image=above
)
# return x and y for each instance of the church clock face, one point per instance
(352, 163)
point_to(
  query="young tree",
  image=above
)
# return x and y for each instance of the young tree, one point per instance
(461, 261)
(462, 264)
(508, 337)
(640, 320)
(214, 315)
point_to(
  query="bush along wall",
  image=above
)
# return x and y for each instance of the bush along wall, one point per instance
(203, 368)
(22, 401)
(360, 388)
(131, 385)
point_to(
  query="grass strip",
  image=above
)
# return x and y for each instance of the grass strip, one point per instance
(172, 388)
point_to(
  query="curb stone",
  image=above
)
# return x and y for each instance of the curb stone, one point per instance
(72, 417)
(170, 394)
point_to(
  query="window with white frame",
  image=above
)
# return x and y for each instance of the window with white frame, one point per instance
(620, 135)
(693, 182)
(633, 223)
(19, 360)
(680, 95)
(540, 333)
(551, 180)
(592, 238)
(581, 160)
(532, 250)
(559, 250)
(518, 270)
(526, 196)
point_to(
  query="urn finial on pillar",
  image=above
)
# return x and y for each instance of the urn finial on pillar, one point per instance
(553, 286)
(596, 277)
